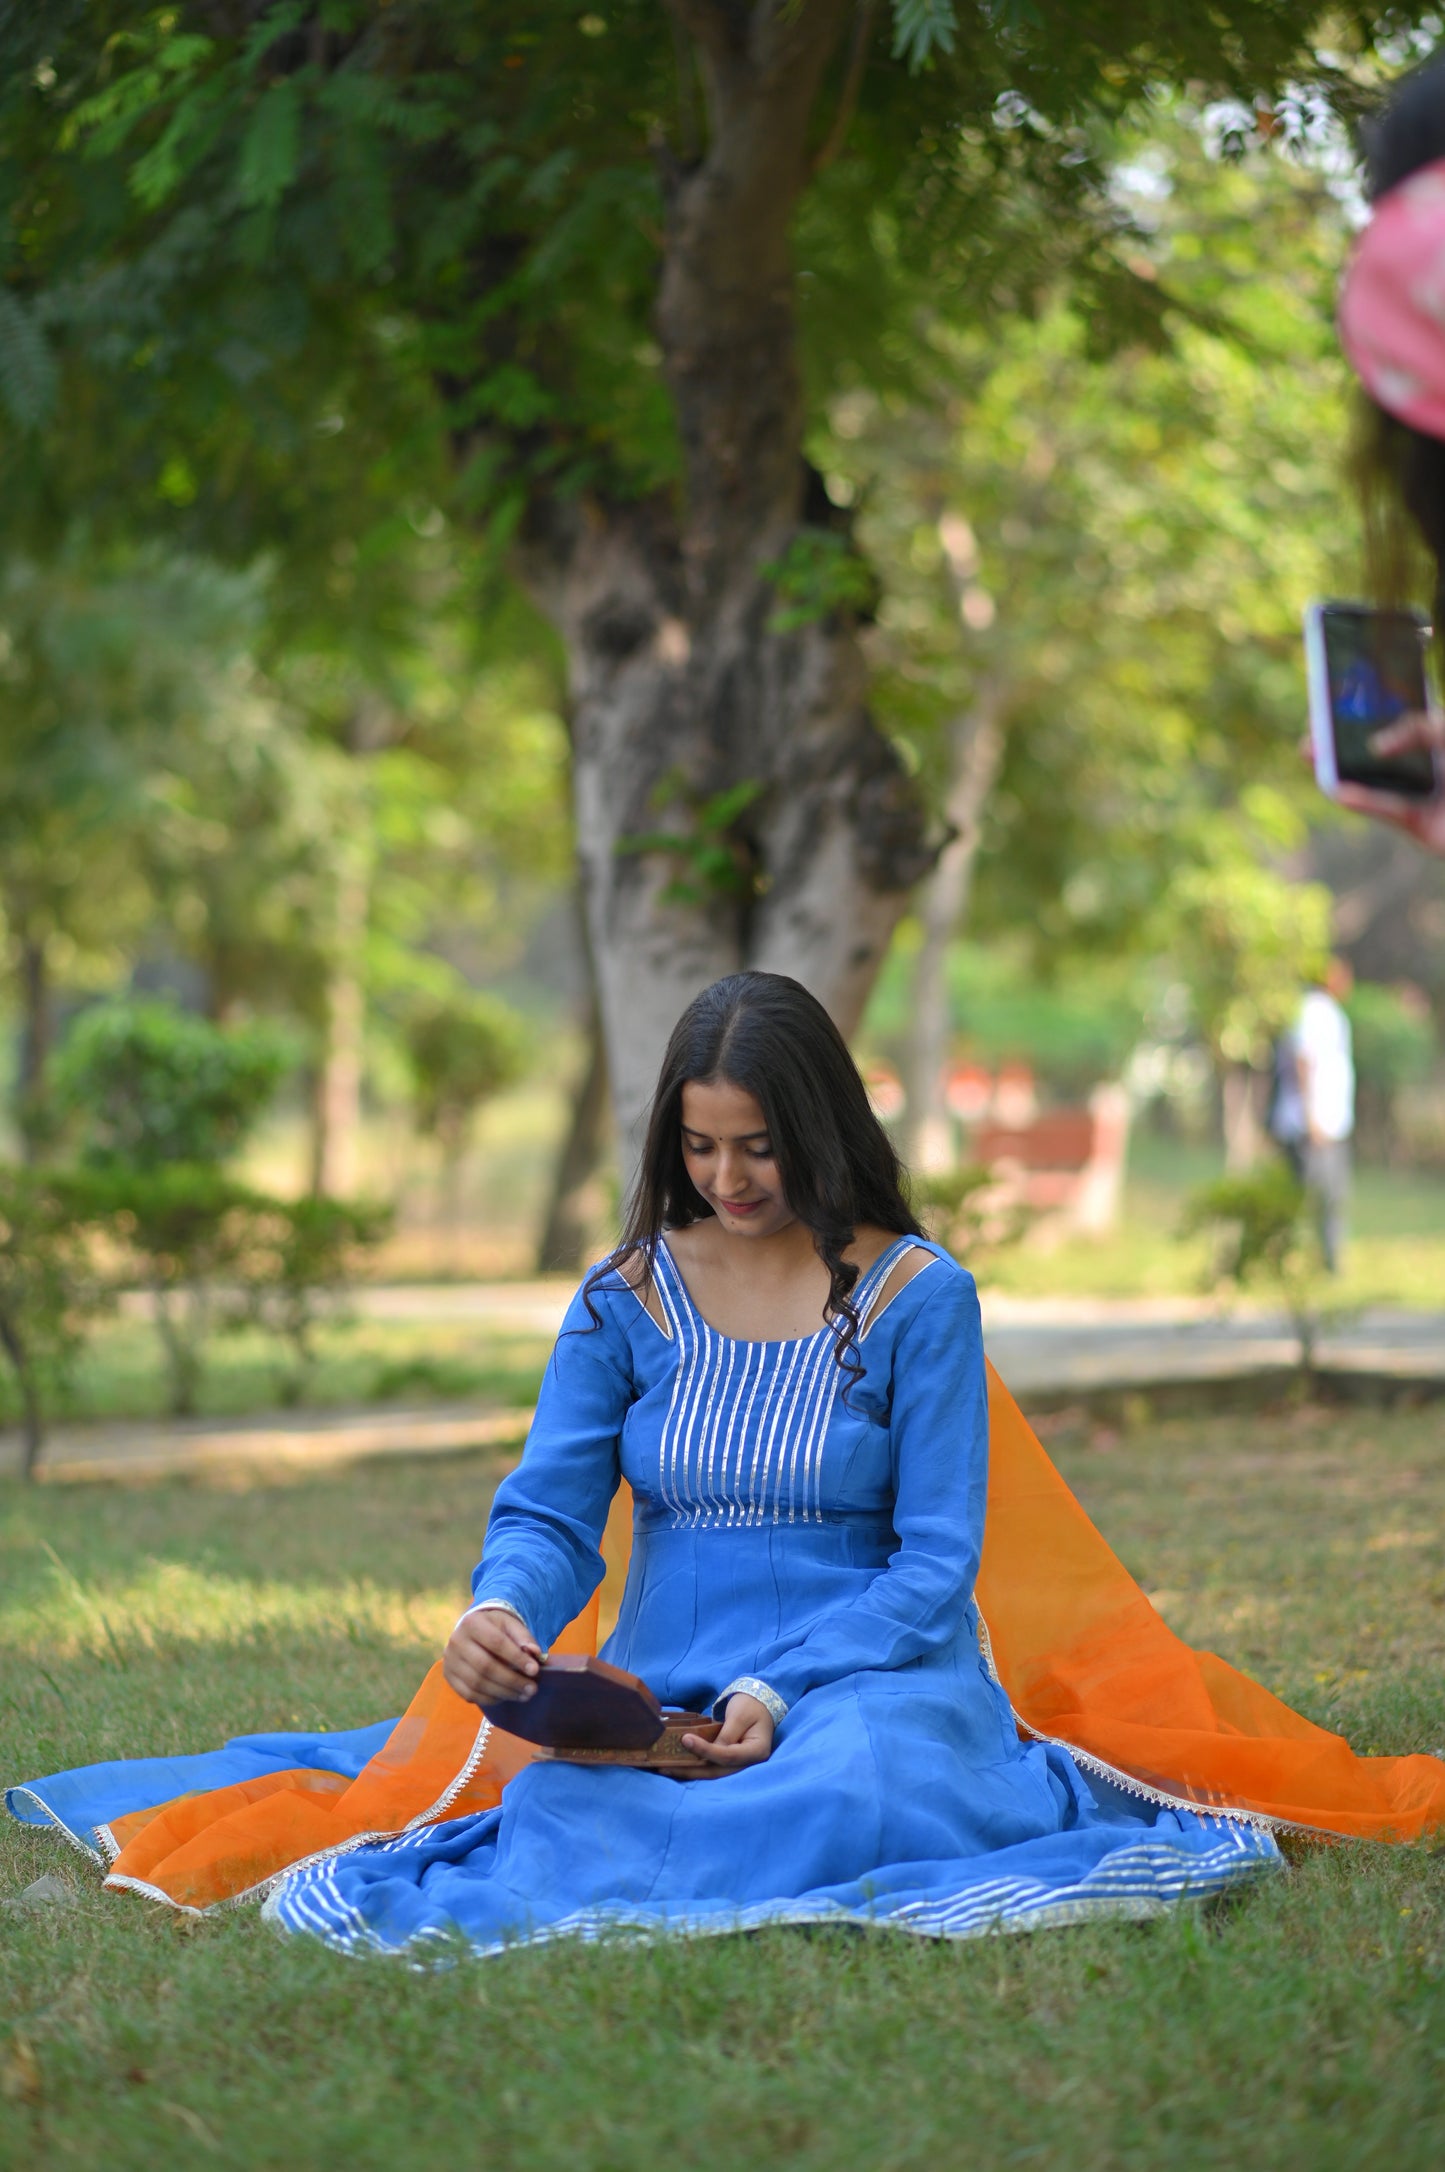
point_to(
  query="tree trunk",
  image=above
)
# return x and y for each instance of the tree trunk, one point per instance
(32, 1415)
(336, 1133)
(565, 1232)
(683, 686)
(36, 1024)
(975, 746)
(1242, 1131)
(181, 1317)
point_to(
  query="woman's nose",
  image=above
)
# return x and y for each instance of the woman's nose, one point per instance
(732, 1175)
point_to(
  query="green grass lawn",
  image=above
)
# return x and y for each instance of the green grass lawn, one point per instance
(121, 1375)
(1301, 2026)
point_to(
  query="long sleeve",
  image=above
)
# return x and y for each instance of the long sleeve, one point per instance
(542, 1554)
(939, 1438)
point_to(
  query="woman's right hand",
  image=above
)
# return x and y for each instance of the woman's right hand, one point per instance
(491, 1658)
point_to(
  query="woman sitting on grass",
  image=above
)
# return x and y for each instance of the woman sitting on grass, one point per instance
(790, 1379)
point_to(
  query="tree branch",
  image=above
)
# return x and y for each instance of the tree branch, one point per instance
(720, 26)
(837, 135)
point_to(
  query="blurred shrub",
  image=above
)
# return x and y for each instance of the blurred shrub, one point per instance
(49, 1291)
(1395, 1047)
(299, 1256)
(1245, 940)
(182, 1230)
(164, 1098)
(1261, 1234)
(216, 1256)
(153, 1084)
(463, 1050)
(963, 1212)
(1394, 1035)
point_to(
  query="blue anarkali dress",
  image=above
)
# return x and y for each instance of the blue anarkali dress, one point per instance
(811, 1539)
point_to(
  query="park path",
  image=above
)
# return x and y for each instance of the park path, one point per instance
(1048, 1349)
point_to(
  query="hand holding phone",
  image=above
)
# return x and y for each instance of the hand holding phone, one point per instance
(1422, 819)
(1376, 733)
(1366, 672)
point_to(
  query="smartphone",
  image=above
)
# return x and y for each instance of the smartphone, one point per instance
(1366, 667)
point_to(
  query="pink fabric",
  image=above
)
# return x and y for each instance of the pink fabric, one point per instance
(1392, 304)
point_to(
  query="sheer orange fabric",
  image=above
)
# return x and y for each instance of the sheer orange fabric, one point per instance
(1082, 1654)
(1087, 1661)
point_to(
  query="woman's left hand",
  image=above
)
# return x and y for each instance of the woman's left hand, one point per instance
(744, 1738)
(1422, 819)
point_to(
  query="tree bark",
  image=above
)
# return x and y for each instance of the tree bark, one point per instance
(336, 1123)
(32, 1415)
(1243, 1135)
(36, 1035)
(683, 686)
(564, 1234)
(975, 750)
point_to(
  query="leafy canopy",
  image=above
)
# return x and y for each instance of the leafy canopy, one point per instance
(364, 250)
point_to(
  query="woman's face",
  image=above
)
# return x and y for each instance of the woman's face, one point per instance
(729, 1156)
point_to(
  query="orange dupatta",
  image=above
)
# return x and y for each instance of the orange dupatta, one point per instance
(1082, 1654)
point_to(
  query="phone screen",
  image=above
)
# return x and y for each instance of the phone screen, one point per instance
(1375, 661)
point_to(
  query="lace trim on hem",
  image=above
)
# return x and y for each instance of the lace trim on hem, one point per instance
(265, 1887)
(82, 1847)
(1126, 1780)
(994, 1911)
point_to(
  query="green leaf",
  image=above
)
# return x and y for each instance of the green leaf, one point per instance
(190, 130)
(722, 810)
(271, 147)
(104, 122)
(922, 28)
(27, 367)
(818, 573)
(273, 25)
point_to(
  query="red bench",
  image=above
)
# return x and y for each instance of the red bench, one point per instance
(1065, 1166)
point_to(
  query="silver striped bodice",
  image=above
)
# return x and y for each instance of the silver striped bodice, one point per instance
(742, 1442)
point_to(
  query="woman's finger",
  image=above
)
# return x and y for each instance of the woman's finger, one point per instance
(485, 1684)
(1408, 733)
(491, 1658)
(499, 1680)
(748, 1741)
(1383, 806)
(500, 1637)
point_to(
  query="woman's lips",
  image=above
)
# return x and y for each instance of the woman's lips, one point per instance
(742, 1206)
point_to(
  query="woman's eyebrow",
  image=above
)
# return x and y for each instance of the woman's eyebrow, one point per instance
(739, 1137)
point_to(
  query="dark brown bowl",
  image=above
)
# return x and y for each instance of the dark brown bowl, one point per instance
(582, 1704)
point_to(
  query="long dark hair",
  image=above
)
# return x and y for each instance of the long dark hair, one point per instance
(766, 1034)
(1399, 467)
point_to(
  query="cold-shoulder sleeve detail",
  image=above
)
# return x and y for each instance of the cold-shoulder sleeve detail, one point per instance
(542, 1556)
(939, 1441)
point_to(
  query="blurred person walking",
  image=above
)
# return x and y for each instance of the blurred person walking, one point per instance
(1324, 1054)
(1285, 1117)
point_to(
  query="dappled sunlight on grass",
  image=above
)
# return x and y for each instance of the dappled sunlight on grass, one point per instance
(1304, 1545)
(1294, 1542)
(169, 1603)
